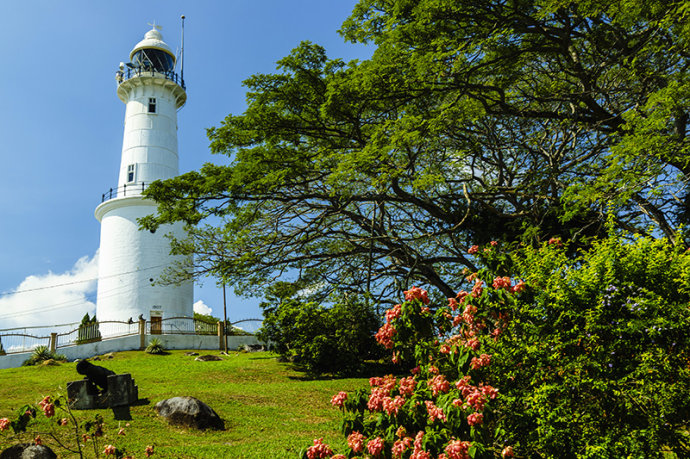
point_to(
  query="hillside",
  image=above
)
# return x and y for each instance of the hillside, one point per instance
(270, 410)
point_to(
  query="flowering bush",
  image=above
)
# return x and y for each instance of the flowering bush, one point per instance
(85, 432)
(583, 356)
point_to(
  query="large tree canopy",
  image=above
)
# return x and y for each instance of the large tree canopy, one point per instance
(518, 120)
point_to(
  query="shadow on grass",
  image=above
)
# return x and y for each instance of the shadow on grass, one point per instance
(368, 370)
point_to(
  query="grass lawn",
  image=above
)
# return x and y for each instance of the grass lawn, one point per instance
(270, 410)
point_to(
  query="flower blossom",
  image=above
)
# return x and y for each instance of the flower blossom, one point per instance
(338, 399)
(407, 386)
(457, 449)
(393, 313)
(385, 335)
(501, 283)
(4, 424)
(519, 287)
(475, 419)
(478, 288)
(439, 384)
(38, 440)
(356, 442)
(375, 446)
(319, 450)
(63, 422)
(148, 452)
(47, 407)
(434, 412)
(472, 250)
(481, 361)
(392, 405)
(109, 450)
(416, 293)
(507, 452)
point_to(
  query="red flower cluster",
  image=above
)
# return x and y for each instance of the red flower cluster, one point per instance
(375, 446)
(456, 450)
(4, 424)
(481, 361)
(47, 407)
(356, 442)
(385, 335)
(416, 293)
(319, 450)
(338, 399)
(439, 384)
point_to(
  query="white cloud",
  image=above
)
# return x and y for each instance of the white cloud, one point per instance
(201, 308)
(52, 298)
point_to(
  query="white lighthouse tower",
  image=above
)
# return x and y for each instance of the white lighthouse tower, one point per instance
(131, 260)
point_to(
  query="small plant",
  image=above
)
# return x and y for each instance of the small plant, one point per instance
(85, 431)
(155, 347)
(42, 354)
(88, 330)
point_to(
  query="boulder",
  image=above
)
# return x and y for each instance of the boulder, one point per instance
(209, 358)
(189, 412)
(28, 451)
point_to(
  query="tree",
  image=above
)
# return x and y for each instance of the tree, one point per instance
(473, 121)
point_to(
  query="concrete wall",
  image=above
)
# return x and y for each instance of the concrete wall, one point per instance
(130, 343)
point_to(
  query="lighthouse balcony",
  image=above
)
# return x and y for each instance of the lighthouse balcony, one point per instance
(137, 72)
(126, 190)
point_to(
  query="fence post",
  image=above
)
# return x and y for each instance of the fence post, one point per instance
(221, 335)
(53, 342)
(142, 333)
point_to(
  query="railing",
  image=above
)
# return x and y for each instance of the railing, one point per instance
(135, 189)
(14, 341)
(126, 74)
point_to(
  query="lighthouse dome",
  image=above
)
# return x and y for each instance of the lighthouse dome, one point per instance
(153, 53)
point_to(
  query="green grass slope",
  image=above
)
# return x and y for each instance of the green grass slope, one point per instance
(269, 409)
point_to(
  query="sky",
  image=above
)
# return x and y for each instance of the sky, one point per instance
(61, 126)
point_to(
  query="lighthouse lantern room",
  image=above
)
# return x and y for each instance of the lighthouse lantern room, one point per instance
(131, 261)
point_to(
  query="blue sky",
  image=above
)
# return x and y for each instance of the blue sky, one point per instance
(61, 124)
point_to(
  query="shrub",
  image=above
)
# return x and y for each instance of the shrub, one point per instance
(41, 354)
(88, 330)
(155, 347)
(585, 356)
(334, 340)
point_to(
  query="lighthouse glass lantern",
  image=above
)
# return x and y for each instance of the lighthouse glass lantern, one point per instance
(132, 261)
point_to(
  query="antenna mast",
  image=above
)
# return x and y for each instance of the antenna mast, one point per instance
(182, 53)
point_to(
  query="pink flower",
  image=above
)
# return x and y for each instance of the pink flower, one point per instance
(393, 405)
(434, 412)
(493, 243)
(556, 241)
(49, 410)
(444, 349)
(416, 293)
(502, 283)
(519, 287)
(472, 250)
(475, 419)
(457, 449)
(393, 313)
(339, 456)
(407, 386)
(4, 424)
(481, 361)
(375, 446)
(319, 450)
(109, 449)
(439, 384)
(148, 452)
(356, 442)
(385, 335)
(489, 391)
(507, 452)
(452, 304)
(338, 399)
(478, 288)
(376, 397)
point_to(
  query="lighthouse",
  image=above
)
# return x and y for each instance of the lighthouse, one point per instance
(131, 261)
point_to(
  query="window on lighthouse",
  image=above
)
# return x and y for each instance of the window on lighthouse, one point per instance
(152, 105)
(130, 173)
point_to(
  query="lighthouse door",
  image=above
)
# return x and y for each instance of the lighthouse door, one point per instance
(156, 322)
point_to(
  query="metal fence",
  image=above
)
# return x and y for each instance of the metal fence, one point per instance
(21, 340)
